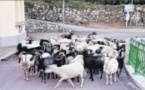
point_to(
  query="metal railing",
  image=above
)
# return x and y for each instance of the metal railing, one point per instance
(137, 55)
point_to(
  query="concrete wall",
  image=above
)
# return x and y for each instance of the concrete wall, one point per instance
(39, 26)
(12, 12)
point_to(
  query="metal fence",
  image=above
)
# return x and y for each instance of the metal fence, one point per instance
(137, 55)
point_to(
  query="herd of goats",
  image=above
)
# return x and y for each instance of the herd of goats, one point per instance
(70, 57)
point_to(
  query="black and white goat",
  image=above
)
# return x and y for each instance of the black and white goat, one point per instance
(27, 63)
(93, 62)
(31, 46)
(120, 60)
(42, 62)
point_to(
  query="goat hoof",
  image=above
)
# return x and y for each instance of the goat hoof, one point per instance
(31, 76)
(73, 86)
(25, 79)
(56, 87)
(115, 80)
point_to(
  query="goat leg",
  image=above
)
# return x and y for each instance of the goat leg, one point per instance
(42, 76)
(71, 83)
(29, 72)
(82, 80)
(52, 75)
(110, 79)
(118, 73)
(19, 60)
(45, 77)
(59, 82)
(114, 77)
(48, 75)
(101, 74)
(77, 79)
(91, 74)
(107, 77)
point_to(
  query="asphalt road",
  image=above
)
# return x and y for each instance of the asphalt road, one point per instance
(114, 35)
(11, 75)
(110, 32)
(11, 78)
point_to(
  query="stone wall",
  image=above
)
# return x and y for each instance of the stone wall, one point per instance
(101, 14)
(43, 26)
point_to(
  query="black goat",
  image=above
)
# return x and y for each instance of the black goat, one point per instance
(120, 60)
(93, 62)
(42, 64)
(59, 58)
(68, 36)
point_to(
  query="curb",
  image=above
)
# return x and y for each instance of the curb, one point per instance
(2, 58)
(133, 78)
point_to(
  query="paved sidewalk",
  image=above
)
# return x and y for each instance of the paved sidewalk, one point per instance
(138, 79)
(7, 51)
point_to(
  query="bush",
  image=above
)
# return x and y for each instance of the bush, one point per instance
(84, 3)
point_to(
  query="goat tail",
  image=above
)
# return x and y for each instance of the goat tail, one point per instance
(85, 73)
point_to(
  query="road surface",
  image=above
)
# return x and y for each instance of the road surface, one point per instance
(11, 78)
(11, 75)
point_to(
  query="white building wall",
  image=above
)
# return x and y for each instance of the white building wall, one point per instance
(12, 12)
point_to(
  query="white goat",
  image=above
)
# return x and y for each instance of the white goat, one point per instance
(26, 63)
(78, 58)
(106, 50)
(32, 45)
(69, 59)
(63, 41)
(110, 68)
(66, 72)
(53, 40)
(79, 48)
(111, 44)
(44, 55)
(113, 54)
(64, 47)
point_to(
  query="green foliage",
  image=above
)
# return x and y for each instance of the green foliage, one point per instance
(84, 3)
(112, 2)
